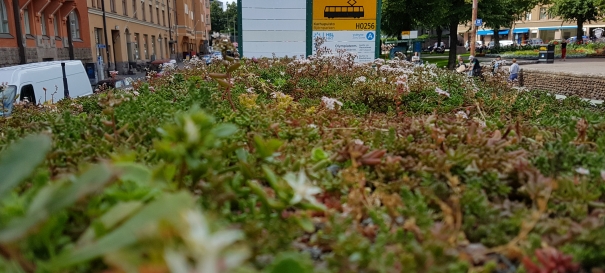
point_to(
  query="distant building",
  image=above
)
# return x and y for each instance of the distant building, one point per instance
(193, 27)
(538, 23)
(138, 31)
(220, 3)
(44, 32)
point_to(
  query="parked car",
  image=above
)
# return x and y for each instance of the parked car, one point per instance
(506, 43)
(207, 58)
(37, 82)
(502, 43)
(535, 41)
(574, 39)
(124, 84)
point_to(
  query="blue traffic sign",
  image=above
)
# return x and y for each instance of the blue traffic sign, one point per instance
(479, 22)
(100, 46)
(370, 36)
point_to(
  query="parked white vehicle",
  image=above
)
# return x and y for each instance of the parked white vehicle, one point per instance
(506, 42)
(535, 41)
(30, 81)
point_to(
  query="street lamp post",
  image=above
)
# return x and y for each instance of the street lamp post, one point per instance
(474, 28)
(105, 32)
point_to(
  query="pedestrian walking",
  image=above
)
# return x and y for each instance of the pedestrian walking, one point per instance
(514, 71)
(496, 64)
(460, 67)
(474, 66)
(564, 49)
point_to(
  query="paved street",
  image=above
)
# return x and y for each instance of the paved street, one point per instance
(582, 66)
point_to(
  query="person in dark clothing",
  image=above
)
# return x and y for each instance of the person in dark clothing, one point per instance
(474, 66)
(563, 49)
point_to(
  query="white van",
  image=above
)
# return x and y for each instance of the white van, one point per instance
(30, 80)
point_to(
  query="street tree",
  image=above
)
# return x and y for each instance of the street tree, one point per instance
(217, 17)
(580, 11)
(503, 13)
(230, 17)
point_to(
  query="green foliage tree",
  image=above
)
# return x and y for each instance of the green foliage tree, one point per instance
(231, 18)
(503, 13)
(395, 18)
(217, 17)
(580, 11)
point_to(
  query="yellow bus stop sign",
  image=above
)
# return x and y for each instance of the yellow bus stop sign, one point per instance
(353, 15)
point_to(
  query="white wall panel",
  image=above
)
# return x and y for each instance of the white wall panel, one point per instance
(273, 14)
(278, 55)
(274, 24)
(274, 36)
(301, 4)
(277, 47)
(274, 27)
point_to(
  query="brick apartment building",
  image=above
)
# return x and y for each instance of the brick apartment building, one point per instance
(38, 30)
(193, 27)
(138, 31)
(538, 23)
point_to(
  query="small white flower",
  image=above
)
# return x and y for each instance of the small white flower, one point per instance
(135, 93)
(360, 79)
(277, 94)
(250, 90)
(603, 175)
(330, 102)
(583, 171)
(461, 115)
(303, 190)
(282, 73)
(441, 92)
(312, 126)
(358, 141)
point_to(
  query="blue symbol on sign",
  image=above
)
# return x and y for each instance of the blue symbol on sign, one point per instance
(370, 36)
(478, 22)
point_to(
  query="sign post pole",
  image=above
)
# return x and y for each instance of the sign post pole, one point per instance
(474, 29)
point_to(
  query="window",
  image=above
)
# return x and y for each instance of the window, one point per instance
(543, 13)
(75, 25)
(163, 18)
(43, 24)
(136, 47)
(112, 5)
(98, 40)
(98, 3)
(134, 8)
(26, 21)
(145, 48)
(153, 46)
(3, 18)
(93, 3)
(56, 26)
(207, 19)
(124, 9)
(186, 9)
(157, 15)
(150, 13)
(143, 10)
(528, 16)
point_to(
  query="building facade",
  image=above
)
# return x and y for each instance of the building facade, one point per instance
(538, 23)
(39, 30)
(220, 3)
(193, 27)
(138, 31)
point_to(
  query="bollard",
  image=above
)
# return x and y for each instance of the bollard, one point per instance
(65, 87)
